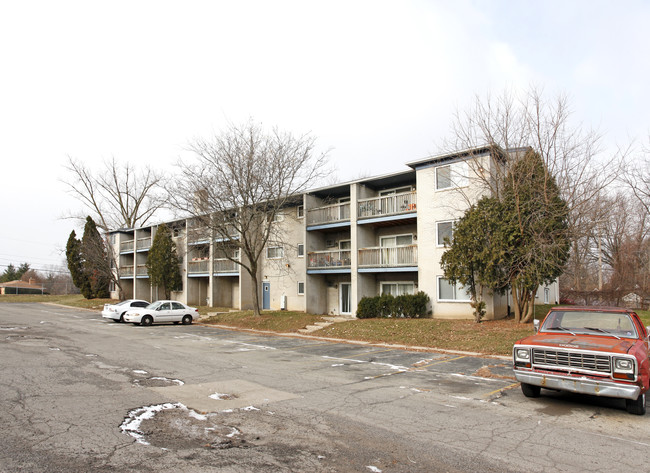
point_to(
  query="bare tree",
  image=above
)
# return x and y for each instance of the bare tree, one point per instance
(238, 185)
(510, 124)
(116, 196)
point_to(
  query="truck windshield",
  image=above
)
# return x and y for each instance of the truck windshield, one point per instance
(616, 324)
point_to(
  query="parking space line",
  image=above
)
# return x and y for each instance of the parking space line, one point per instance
(496, 391)
(442, 361)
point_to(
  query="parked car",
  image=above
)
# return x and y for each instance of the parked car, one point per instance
(117, 311)
(162, 312)
(589, 350)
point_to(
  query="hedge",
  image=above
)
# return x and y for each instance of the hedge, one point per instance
(386, 305)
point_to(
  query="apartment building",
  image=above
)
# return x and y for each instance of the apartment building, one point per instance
(377, 235)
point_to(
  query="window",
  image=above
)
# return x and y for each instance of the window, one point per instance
(111, 286)
(451, 292)
(301, 250)
(301, 288)
(451, 175)
(397, 240)
(178, 306)
(300, 211)
(397, 288)
(444, 230)
(547, 293)
(399, 190)
(274, 252)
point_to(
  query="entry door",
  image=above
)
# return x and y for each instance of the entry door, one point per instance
(266, 295)
(345, 295)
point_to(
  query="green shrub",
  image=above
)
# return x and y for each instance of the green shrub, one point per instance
(367, 308)
(406, 305)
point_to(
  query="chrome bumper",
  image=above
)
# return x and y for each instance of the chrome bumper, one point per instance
(579, 385)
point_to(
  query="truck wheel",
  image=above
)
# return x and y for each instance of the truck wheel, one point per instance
(636, 406)
(530, 390)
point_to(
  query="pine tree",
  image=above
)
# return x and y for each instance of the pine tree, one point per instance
(76, 265)
(95, 264)
(162, 263)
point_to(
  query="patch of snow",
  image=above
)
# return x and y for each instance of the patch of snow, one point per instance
(338, 364)
(344, 359)
(140, 372)
(374, 469)
(15, 328)
(250, 408)
(178, 382)
(233, 433)
(462, 398)
(132, 422)
(55, 349)
(219, 396)
(198, 416)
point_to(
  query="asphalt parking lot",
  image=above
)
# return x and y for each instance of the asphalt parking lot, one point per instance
(79, 392)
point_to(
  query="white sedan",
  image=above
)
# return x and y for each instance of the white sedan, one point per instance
(117, 311)
(161, 312)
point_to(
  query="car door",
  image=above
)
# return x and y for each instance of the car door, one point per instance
(177, 312)
(163, 313)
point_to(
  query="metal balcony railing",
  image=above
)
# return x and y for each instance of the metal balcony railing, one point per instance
(225, 266)
(387, 205)
(383, 257)
(329, 214)
(329, 259)
(195, 267)
(141, 270)
(126, 271)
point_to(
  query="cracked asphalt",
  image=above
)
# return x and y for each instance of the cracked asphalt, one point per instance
(79, 393)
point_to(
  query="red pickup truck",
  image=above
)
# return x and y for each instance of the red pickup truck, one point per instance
(589, 350)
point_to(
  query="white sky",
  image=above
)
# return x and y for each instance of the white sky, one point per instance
(376, 81)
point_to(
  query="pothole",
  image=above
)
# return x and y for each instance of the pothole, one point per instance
(174, 426)
(157, 382)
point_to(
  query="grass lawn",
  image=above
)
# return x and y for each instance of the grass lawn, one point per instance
(276, 321)
(72, 300)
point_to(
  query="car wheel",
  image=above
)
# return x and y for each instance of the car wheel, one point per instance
(187, 319)
(146, 320)
(118, 320)
(121, 318)
(636, 406)
(530, 390)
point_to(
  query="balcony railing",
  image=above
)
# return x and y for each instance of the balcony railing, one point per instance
(329, 214)
(388, 205)
(143, 243)
(126, 246)
(220, 266)
(195, 267)
(225, 266)
(141, 270)
(389, 257)
(329, 259)
(126, 271)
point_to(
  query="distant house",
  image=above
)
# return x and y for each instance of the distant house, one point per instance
(21, 287)
(632, 300)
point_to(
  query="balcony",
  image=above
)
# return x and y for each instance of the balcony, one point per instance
(198, 267)
(219, 266)
(143, 243)
(225, 266)
(126, 246)
(336, 259)
(330, 214)
(389, 257)
(126, 272)
(397, 204)
(141, 270)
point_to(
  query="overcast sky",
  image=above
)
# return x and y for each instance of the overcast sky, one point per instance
(377, 82)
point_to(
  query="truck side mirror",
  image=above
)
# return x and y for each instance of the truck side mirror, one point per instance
(536, 325)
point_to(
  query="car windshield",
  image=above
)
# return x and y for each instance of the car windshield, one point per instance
(154, 305)
(617, 324)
